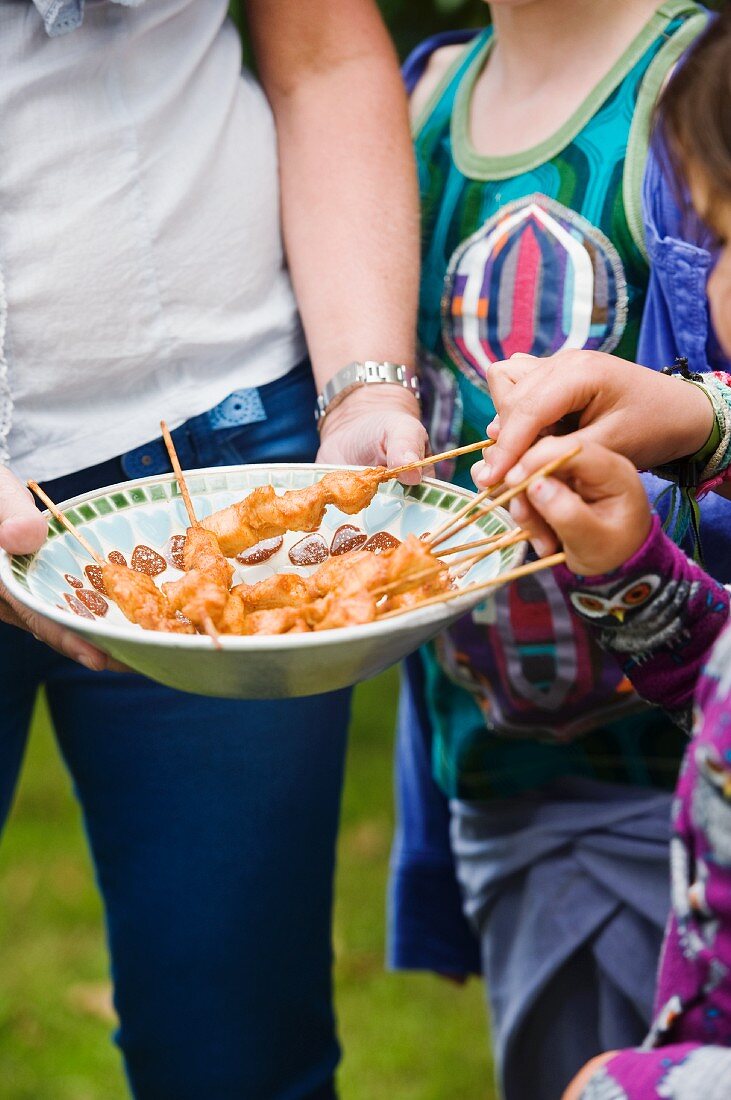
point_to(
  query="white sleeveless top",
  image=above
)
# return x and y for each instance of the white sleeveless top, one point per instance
(141, 265)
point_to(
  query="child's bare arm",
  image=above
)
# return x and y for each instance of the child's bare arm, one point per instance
(647, 416)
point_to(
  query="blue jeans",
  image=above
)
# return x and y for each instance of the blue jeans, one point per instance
(212, 825)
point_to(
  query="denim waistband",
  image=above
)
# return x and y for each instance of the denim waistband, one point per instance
(194, 439)
(238, 409)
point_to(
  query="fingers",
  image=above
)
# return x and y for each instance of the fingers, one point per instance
(22, 528)
(57, 637)
(596, 471)
(407, 441)
(530, 403)
(506, 373)
(542, 537)
(595, 503)
(564, 511)
(476, 472)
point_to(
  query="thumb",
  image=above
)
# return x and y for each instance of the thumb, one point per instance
(406, 441)
(22, 527)
(564, 511)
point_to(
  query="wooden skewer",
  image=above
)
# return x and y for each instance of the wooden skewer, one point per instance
(177, 470)
(183, 485)
(431, 459)
(503, 543)
(66, 522)
(508, 495)
(483, 586)
(476, 543)
(444, 529)
(403, 584)
(500, 543)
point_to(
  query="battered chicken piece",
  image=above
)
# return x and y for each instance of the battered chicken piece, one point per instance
(411, 556)
(202, 594)
(136, 595)
(198, 597)
(324, 614)
(351, 611)
(234, 615)
(349, 574)
(201, 551)
(265, 515)
(280, 590)
(280, 620)
(412, 597)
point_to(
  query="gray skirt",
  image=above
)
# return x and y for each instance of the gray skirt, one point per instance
(568, 890)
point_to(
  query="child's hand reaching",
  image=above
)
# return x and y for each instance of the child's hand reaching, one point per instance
(595, 505)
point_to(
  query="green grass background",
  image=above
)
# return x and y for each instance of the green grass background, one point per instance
(406, 1036)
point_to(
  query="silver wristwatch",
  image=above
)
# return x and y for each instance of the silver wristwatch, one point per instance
(362, 374)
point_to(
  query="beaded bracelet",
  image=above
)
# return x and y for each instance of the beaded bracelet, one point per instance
(691, 478)
(710, 465)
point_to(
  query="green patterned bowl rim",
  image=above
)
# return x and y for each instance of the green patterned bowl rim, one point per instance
(87, 507)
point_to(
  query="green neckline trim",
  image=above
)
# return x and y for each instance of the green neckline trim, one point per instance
(475, 166)
(638, 142)
(463, 59)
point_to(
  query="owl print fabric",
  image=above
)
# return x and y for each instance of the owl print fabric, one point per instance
(642, 615)
(667, 623)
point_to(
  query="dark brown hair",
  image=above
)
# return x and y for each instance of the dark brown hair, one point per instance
(694, 115)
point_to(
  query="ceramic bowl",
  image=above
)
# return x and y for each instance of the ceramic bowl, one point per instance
(144, 521)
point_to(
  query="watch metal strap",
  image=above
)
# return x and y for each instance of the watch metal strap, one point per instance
(354, 375)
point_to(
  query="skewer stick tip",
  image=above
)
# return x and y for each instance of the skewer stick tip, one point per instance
(430, 460)
(66, 522)
(178, 471)
(212, 633)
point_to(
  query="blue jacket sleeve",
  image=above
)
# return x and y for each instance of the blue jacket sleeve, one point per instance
(676, 318)
(676, 322)
(413, 67)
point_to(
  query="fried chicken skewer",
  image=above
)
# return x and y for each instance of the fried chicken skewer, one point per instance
(203, 593)
(263, 514)
(354, 584)
(406, 590)
(485, 586)
(348, 575)
(134, 593)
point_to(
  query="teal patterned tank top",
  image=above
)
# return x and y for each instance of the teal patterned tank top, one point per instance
(533, 253)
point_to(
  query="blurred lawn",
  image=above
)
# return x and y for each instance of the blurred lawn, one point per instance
(407, 1037)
